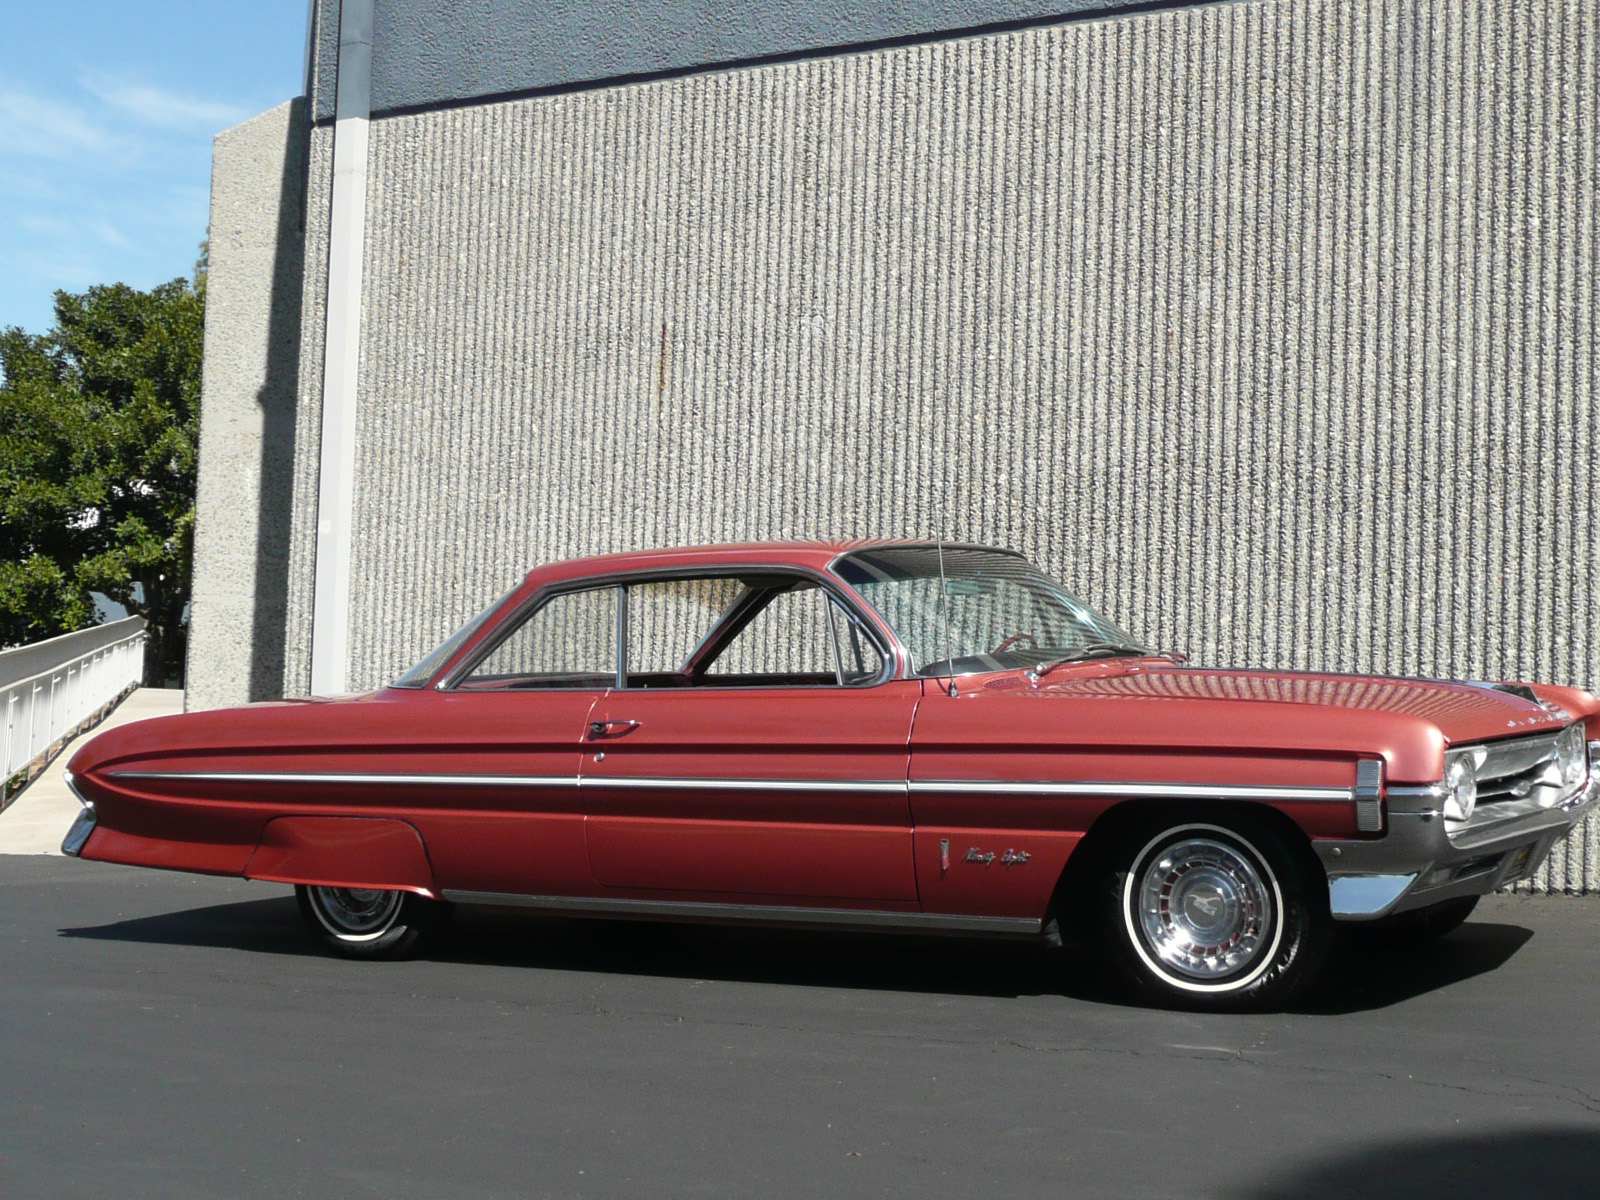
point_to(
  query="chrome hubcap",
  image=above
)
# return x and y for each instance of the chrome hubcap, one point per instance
(362, 913)
(1203, 908)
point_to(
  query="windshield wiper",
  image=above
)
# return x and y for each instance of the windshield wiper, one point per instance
(1094, 650)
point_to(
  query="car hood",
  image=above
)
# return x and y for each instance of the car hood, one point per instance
(1290, 708)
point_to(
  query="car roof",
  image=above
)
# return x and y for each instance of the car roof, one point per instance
(816, 555)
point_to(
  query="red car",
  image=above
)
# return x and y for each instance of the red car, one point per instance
(880, 735)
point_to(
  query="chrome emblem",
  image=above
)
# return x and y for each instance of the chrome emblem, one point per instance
(1011, 858)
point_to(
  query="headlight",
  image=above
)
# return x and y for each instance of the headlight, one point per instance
(1461, 782)
(1572, 757)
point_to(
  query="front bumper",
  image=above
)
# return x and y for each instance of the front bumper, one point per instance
(1418, 862)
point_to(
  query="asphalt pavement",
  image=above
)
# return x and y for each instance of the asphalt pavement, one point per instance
(175, 1036)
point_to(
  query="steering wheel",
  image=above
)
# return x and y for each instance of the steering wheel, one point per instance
(1033, 643)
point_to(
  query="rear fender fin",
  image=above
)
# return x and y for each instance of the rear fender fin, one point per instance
(369, 852)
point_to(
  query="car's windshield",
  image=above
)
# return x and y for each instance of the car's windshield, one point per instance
(425, 670)
(1000, 611)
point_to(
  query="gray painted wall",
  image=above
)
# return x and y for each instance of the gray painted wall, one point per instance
(1271, 327)
(443, 51)
(247, 410)
(322, 82)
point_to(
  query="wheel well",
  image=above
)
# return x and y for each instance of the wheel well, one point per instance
(1071, 904)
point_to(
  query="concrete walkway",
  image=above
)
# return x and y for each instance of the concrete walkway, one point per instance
(39, 818)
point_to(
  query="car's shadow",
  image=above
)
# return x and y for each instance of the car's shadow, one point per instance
(1494, 1161)
(1361, 975)
(265, 926)
(1364, 973)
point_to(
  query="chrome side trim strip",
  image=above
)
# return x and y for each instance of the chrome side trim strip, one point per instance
(864, 918)
(1197, 791)
(551, 781)
(675, 783)
(1429, 791)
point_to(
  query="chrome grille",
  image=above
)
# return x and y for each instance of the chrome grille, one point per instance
(1518, 769)
(1517, 778)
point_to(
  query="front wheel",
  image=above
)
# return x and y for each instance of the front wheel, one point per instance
(1215, 916)
(370, 922)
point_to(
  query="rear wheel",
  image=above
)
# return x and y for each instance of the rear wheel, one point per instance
(1215, 916)
(371, 922)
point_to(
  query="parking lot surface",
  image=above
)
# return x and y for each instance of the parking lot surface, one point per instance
(170, 1035)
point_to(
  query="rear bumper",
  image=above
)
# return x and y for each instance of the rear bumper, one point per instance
(83, 826)
(1418, 863)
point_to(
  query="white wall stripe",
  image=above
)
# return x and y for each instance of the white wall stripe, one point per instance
(330, 628)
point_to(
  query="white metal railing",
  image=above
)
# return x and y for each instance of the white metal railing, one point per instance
(41, 712)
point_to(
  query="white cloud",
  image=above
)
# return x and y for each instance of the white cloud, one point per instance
(34, 124)
(158, 107)
(108, 233)
(70, 270)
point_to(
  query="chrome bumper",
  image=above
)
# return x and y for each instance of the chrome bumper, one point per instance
(72, 844)
(1418, 863)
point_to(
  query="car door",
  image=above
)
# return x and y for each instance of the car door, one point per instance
(516, 719)
(774, 771)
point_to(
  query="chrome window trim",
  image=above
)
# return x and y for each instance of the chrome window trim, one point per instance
(784, 914)
(833, 563)
(893, 654)
(473, 628)
(728, 615)
(903, 655)
(620, 679)
(469, 657)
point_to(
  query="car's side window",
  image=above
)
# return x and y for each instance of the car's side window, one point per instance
(569, 641)
(799, 637)
(668, 619)
(859, 659)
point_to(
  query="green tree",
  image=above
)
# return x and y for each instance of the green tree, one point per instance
(98, 422)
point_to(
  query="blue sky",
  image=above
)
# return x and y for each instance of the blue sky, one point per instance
(107, 111)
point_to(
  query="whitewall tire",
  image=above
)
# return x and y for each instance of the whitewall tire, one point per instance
(1214, 914)
(370, 922)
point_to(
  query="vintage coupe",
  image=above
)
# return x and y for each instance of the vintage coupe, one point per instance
(868, 735)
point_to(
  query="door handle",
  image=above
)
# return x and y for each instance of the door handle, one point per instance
(610, 729)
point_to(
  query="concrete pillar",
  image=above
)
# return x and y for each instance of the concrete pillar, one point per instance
(247, 409)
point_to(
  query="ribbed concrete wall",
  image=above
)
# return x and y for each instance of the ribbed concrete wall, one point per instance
(308, 426)
(1270, 327)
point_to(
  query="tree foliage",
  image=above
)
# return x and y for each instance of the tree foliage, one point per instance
(98, 422)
